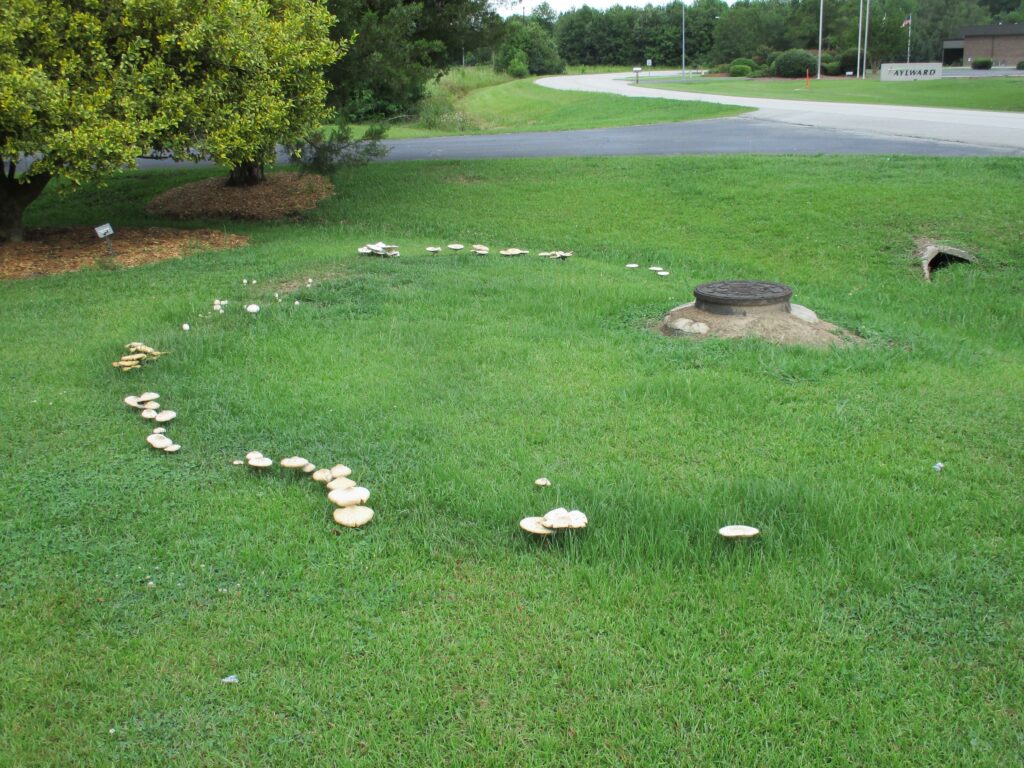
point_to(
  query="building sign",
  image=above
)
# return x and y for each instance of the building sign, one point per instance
(928, 71)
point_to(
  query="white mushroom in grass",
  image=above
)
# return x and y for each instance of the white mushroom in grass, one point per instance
(322, 476)
(261, 462)
(542, 482)
(146, 397)
(561, 517)
(309, 468)
(455, 246)
(348, 497)
(433, 249)
(632, 266)
(533, 525)
(159, 441)
(253, 455)
(340, 470)
(294, 462)
(738, 532)
(663, 273)
(342, 483)
(252, 309)
(149, 413)
(165, 416)
(353, 517)
(159, 430)
(172, 448)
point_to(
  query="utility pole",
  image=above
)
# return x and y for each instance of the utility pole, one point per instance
(821, 27)
(860, 36)
(682, 8)
(867, 28)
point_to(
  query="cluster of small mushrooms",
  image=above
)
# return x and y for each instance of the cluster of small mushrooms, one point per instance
(342, 491)
(138, 353)
(659, 271)
(149, 409)
(380, 248)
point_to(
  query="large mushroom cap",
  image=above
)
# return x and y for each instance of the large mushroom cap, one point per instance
(294, 462)
(145, 397)
(562, 518)
(433, 249)
(133, 401)
(309, 467)
(542, 482)
(253, 455)
(455, 246)
(261, 462)
(342, 483)
(738, 532)
(159, 441)
(148, 413)
(348, 497)
(172, 448)
(534, 525)
(353, 517)
(340, 470)
(322, 476)
(165, 416)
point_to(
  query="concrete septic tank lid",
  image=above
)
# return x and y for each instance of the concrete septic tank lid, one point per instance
(741, 297)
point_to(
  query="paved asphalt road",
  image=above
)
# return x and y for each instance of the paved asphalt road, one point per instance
(994, 130)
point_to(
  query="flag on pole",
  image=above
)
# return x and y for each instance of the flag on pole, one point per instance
(907, 21)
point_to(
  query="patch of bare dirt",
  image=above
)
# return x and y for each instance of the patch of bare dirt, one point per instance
(282, 195)
(52, 251)
(777, 327)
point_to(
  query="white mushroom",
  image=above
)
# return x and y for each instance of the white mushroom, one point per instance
(309, 467)
(261, 462)
(159, 441)
(364, 250)
(294, 462)
(534, 525)
(663, 273)
(738, 532)
(172, 448)
(159, 430)
(341, 482)
(238, 462)
(133, 401)
(252, 309)
(253, 455)
(632, 266)
(145, 397)
(433, 249)
(655, 269)
(165, 416)
(149, 413)
(340, 470)
(353, 517)
(186, 327)
(563, 518)
(322, 476)
(348, 497)
(513, 252)
(455, 246)
(542, 482)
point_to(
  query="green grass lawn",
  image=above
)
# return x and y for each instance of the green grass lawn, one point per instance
(997, 93)
(877, 621)
(521, 105)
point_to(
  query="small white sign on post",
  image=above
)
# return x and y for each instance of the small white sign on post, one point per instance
(103, 230)
(650, 62)
(636, 73)
(906, 72)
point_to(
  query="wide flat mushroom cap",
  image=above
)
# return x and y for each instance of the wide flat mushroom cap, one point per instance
(149, 413)
(159, 441)
(456, 246)
(309, 467)
(340, 470)
(165, 416)
(253, 455)
(348, 497)
(433, 249)
(738, 532)
(147, 396)
(557, 518)
(534, 525)
(353, 517)
(322, 476)
(159, 430)
(294, 462)
(342, 483)
(261, 462)
(542, 482)
(133, 401)
(172, 448)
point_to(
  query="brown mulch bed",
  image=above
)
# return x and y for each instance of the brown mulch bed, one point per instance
(51, 251)
(280, 196)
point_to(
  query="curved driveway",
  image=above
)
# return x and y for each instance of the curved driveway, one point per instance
(995, 130)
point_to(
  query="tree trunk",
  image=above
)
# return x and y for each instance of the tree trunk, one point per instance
(15, 197)
(246, 174)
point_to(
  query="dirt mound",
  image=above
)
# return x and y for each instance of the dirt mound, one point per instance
(51, 251)
(803, 327)
(280, 196)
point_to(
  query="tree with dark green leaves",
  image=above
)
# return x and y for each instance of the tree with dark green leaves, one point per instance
(526, 41)
(87, 86)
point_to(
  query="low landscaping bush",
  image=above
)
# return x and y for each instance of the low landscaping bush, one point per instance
(1020, 65)
(739, 70)
(743, 62)
(848, 60)
(831, 68)
(981, 63)
(794, 63)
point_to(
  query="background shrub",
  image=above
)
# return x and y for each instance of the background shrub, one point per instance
(518, 66)
(739, 70)
(1020, 65)
(794, 63)
(831, 68)
(743, 62)
(981, 63)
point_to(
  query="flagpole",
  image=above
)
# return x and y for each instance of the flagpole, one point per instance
(821, 26)
(867, 28)
(860, 35)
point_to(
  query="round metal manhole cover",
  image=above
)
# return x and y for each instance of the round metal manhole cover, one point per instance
(742, 293)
